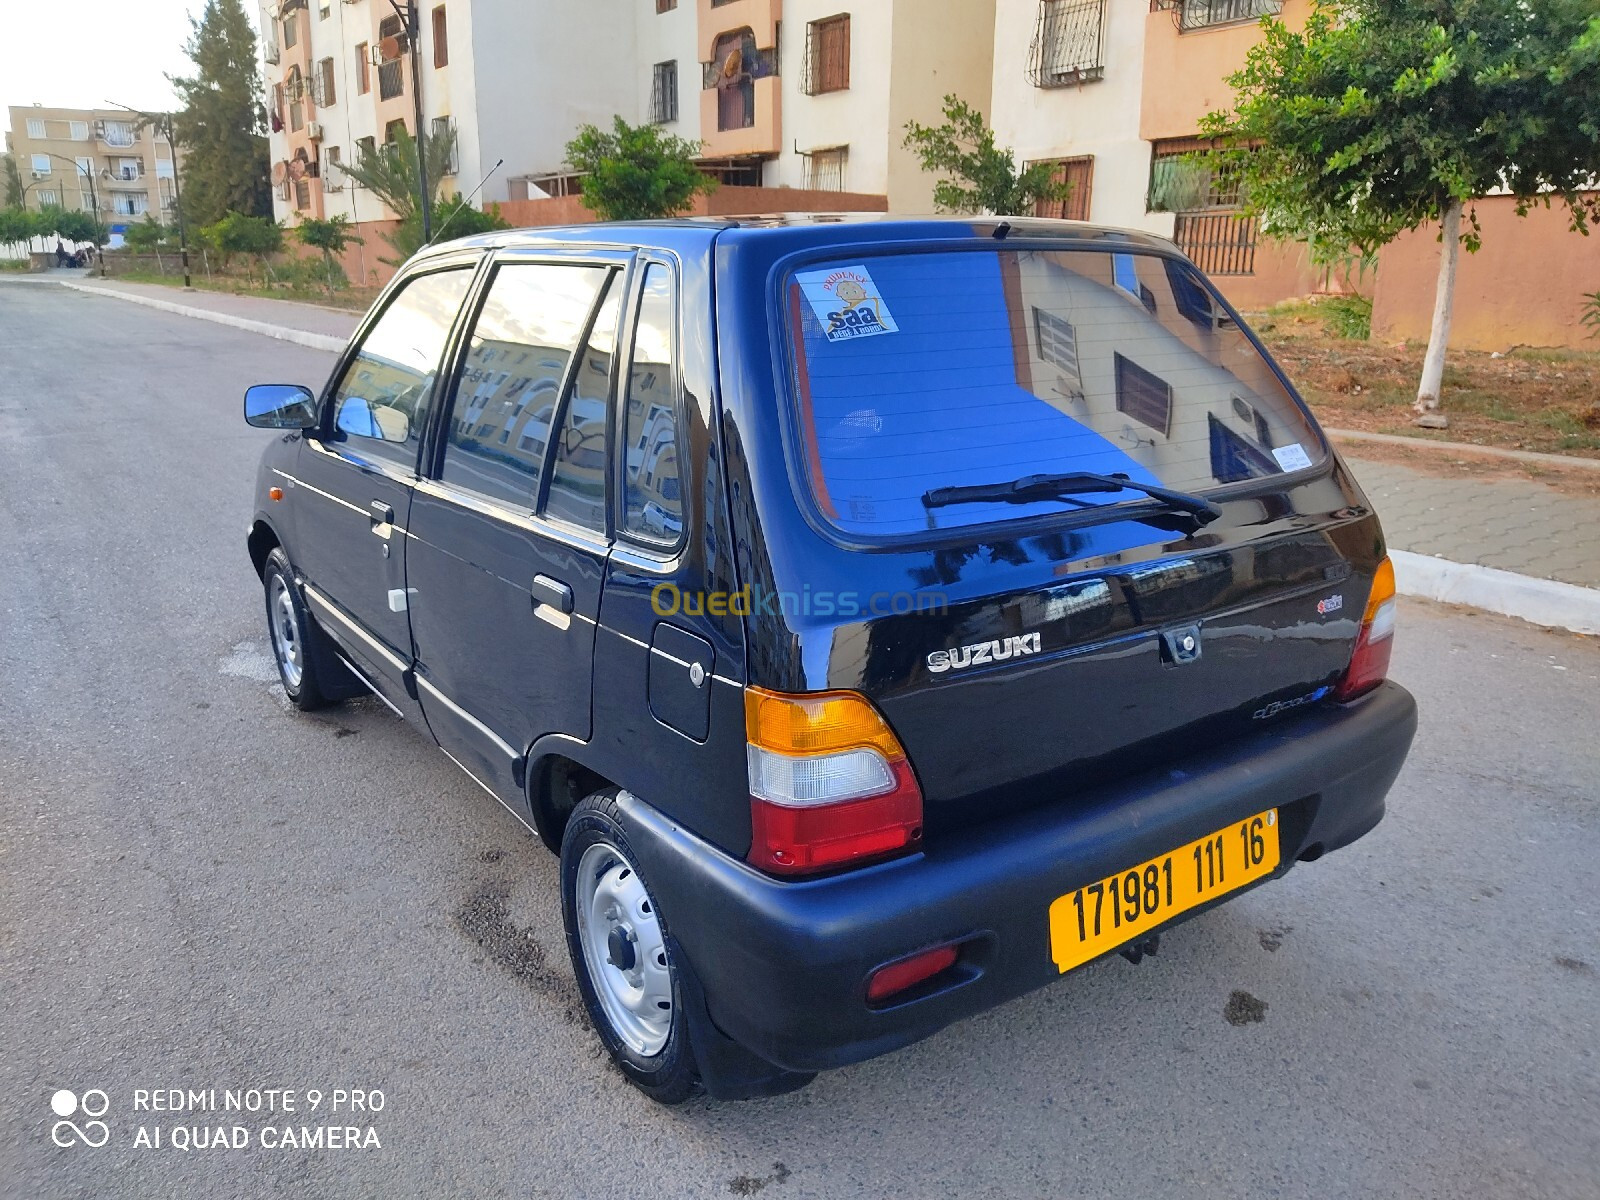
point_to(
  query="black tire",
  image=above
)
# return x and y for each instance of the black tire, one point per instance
(305, 693)
(670, 1074)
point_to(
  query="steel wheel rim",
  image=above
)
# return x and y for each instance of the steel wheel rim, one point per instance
(285, 632)
(615, 913)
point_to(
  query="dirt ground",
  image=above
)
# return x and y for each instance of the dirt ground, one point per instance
(1543, 400)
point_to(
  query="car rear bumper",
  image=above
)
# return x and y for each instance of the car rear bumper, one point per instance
(782, 966)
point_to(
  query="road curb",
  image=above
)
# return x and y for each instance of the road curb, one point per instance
(1416, 443)
(300, 337)
(1540, 601)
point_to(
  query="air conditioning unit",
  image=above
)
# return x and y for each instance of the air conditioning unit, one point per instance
(314, 130)
(271, 55)
(40, 174)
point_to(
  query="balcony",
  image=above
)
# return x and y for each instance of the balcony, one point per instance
(1066, 49)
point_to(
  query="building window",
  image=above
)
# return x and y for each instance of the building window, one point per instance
(80, 130)
(129, 204)
(36, 129)
(1145, 397)
(445, 128)
(41, 164)
(1079, 174)
(332, 176)
(1058, 342)
(391, 72)
(664, 92)
(1220, 243)
(326, 94)
(295, 87)
(323, 12)
(1066, 43)
(1183, 180)
(302, 193)
(290, 34)
(363, 69)
(441, 39)
(666, 5)
(825, 169)
(827, 63)
(393, 130)
(86, 166)
(117, 133)
(46, 196)
(1201, 14)
(366, 148)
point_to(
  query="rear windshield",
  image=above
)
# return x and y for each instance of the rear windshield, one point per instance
(919, 371)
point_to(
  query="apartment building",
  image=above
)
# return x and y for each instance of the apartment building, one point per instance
(92, 160)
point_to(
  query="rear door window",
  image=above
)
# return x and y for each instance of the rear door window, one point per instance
(510, 382)
(652, 508)
(920, 371)
(578, 482)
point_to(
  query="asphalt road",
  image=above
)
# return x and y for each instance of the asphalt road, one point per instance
(203, 890)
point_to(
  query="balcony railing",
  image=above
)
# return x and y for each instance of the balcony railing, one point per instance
(391, 79)
(1220, 243)
(1066, 43)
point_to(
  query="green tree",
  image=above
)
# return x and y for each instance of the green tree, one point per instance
(14, 195)
(331, 236)
(18, 224)
(238, 233)
(390, 171)
(1383, 116)
(985, 176)
(221, 125)
(636, 172)
(146, 235)
(78, 226)
(453, 217)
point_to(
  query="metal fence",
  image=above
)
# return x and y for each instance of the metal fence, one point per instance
(1197, 14)
(1221, 243)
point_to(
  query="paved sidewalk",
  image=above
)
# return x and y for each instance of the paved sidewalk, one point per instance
(306, 318)
(1513, 525)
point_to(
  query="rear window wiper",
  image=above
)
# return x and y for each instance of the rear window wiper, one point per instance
(1031, 488)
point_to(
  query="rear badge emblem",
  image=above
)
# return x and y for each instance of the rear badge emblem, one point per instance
(1331, 605)
(979, 653)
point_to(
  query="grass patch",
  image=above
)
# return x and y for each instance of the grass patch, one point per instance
(301, 287)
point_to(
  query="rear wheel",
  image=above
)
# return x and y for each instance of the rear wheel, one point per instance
(292, 635)
(617, 938)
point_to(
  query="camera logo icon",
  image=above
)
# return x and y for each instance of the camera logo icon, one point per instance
(91, 1104)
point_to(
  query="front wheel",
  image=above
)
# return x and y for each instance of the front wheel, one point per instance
(617, 938)
(292, 632)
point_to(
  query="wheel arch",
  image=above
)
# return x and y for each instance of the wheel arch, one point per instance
(561, 770)
(262, 540)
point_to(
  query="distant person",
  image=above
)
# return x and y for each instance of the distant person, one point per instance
(61, 254)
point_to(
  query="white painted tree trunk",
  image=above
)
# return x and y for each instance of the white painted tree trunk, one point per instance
(1443, 309)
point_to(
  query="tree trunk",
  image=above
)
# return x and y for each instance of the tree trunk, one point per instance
(1443, 310)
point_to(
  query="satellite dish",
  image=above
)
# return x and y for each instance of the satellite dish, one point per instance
(280, 172)
(297, 168)
(391, 48)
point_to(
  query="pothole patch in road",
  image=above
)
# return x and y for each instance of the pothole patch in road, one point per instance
(1244, 1009)
(1272, 938)
(486, 919)
(250, 660)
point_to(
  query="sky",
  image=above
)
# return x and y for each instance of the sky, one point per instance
(81, 53)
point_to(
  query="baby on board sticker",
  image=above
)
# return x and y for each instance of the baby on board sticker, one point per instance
(847, 303)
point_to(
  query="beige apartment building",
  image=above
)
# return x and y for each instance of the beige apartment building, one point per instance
(92, 160)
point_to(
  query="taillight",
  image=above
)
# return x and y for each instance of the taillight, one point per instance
(829, 782)
(1369, 665)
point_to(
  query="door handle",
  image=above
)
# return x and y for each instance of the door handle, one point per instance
(382, 513)
(552, 592)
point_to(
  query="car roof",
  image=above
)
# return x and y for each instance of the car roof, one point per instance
(796, 229)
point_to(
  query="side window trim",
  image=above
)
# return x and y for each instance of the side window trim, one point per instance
(625, 280)
(325, 407)
(659, 551)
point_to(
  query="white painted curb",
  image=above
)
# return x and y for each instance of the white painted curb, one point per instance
(300, 337)
(1541, 601)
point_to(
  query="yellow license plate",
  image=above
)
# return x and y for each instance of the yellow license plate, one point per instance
(1092, 920)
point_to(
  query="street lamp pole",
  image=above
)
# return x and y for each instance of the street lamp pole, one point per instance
(165, 122)
(410, 17)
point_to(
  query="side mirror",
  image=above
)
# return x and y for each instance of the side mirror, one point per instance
(280, 406)
(360, 418)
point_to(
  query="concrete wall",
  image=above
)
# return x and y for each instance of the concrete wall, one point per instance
(940, 46)
(724, 202)
(1099, 118)
(1526, 286)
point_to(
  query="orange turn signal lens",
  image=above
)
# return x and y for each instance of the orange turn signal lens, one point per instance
(816, 723)
(1382, 589)
(275, 493)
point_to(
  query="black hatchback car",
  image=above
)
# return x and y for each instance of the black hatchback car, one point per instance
(881, 618)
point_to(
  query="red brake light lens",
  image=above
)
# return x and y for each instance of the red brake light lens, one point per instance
(1369, 665)
(829, 782)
